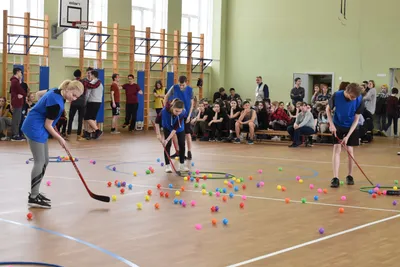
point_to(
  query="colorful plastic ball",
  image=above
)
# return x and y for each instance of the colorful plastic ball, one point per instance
(191, 179)
(394, 203)
(370, 191)
(197, 179)
(223, 190)
(76, 159)
(258, 185)
(119, 184)
(209, 176)
(185, 178)
(301, 181)
(341, 183)
(204, 177)
(316, 198)
(166, 195)
(244, 197)
(303, 200)
(396, 181)
(218, 194)
(280, 169)
(197, 172)
(193, 203)
(231, 195)
(198, 226)
(158, 186)
(244, 187)
(321, 230)
(204, 192)
(343, 198)
(161, 194)
(116, 182)
(183, 204)
(147, 197)
(114, 169)
(29, 216)
(176, 201)
(225, 221)
(283, 189)
(378, 185)
(149, 192)
(376, 189)
(147, 171)
(210, 193)
(27, 162)
(214, 221)
(231, 182)
(384, 192)
(162, 164)
(212, 209)
(203, 186)
(182, 188)
(287, 200)
(241, 205)
(260, 171)
(122, 190)
(192, 164)
(109, 184)
(319, 190)
(216, 208)
(395, 188)
(123, 184)
(374, 195)
(134, 174)
(139, 206)
(298, 178)
(114, 198)
(176, 158)
(130, 186)
(341, 210)
(262, 183)
(196, 185)
(236, 188)
(170, 186)
(279, 187)
(224, 198)
(177, 193)
(325, 191)
(311, 186)
(157, 206)
(94, 162)
(226, 175)
(48, 183)
(250, 177)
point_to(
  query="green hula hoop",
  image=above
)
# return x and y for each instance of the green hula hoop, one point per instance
(215, 175)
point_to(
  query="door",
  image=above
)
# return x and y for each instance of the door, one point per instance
(305, 83)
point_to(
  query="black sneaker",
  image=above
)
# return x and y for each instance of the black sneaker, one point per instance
(38, 202)
(41, 196)
(335, 183)
(349, 180)
(97, 134)
(189, 156)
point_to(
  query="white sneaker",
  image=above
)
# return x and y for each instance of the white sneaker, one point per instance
(168, 169)
(115, 132)
(183, 168)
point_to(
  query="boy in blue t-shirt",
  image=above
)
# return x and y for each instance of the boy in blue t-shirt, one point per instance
(347, 106)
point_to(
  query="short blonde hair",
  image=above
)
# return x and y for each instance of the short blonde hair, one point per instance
(69, 85)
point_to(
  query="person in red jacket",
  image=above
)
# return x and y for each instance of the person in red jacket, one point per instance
(17, 101)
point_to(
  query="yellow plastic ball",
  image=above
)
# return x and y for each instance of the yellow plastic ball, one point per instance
(134, 173)
(147, 198)
(114, 198)
(234, 178)
(210, 175)
(301, 181)
(204, 192)
(139, 205)
(279, 187)
(226, 182)
(394, 187)
(176, 158)
(177, 193)
(238, 181)
(185, 178)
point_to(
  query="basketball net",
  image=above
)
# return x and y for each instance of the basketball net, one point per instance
(81, 25)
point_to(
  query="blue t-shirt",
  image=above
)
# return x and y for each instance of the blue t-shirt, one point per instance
(171, 122)
(33, 126)
(345, 109)
(184, 95)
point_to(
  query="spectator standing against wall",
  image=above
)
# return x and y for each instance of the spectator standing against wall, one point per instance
(298, 92)
(262, 90)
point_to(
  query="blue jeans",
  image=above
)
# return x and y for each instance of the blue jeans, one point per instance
(296, 134)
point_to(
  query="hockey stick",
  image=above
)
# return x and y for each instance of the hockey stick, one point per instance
(93, 195)
(348, 152)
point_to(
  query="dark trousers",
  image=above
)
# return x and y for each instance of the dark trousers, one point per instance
(381, 121)
(16, 120)
(130, 115)
(181, 143)
(395, 121)
(296, 134)
(215, 130)
(72, 111)
(62, 125)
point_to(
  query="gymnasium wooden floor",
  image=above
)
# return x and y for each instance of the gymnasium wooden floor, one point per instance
(79, 231)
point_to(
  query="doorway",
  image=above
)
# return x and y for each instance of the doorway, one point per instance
(308, 80)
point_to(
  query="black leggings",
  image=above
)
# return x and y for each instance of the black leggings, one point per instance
(181, 143)
(72, 111)
(130, 115)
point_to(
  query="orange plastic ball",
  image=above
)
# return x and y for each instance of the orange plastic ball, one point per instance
(287, 200)
(182, 188)
(166, 195)
(149, 192)
(158, 186)
(341, 210)
(325, 191)
(157, 206)
(283, 189)
(224, 198)
(251, 177)
(214, 221)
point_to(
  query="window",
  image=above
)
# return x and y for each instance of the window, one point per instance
(197, 19)
(71, 38)
(149, 13)
(17, 8)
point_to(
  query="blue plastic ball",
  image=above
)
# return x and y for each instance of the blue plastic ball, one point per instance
(191, 179)
(170, 186)
(176, 201)
(158, 160)
(370, 191)
(316, 198)
(232, 181)
(180, 201)
(217, 189)
(231, 195)
(192, 164)
(119, 184)
(76, 159)
(236, 188)
(130, 186)
(224, 190)
(225, 221)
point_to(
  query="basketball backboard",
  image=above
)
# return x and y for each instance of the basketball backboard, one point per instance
(72, 11)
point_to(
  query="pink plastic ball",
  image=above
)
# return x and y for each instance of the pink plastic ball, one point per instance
(193, 203)
(376, 189)
(319, 190)
(311, 186)
(260, 171)
(198, 226)
(197, 171)
(384, 192)
(261, 183)
(218, 194)
(244, 197)
(184, 204)
(343, 198)
(48, 183)
(298, 178)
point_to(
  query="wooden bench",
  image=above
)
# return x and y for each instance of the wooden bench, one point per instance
(285, 134)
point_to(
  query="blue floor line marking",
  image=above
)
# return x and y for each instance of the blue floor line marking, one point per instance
(109, 253)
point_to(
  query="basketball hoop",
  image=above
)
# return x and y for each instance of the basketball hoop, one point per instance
(80, 24)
